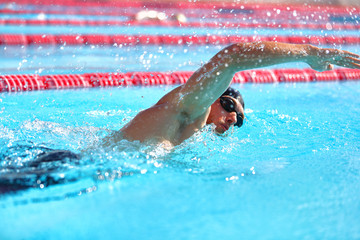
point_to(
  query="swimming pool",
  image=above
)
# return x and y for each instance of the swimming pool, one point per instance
(291, 172)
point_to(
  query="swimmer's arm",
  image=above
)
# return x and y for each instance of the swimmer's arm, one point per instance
(261, 54)
(211, 80)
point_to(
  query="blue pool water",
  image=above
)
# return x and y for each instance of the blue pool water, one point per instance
(133, 30)
(291, 172)
(88, 59)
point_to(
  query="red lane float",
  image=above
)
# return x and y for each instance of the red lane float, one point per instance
(65, 81)
(178, 4)
(217, 14)
(218, 8)
(219, 21)
(108, 79)
(131, 40)
(18, 83)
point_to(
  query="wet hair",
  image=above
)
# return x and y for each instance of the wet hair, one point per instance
(235, 94)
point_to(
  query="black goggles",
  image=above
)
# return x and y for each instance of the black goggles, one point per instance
(229, 106)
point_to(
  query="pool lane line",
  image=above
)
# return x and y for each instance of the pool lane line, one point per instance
(326, 25)
(205, 19)
(215, 12)
(221, 7)
(250, 15)
(133, 40)
(33, 82)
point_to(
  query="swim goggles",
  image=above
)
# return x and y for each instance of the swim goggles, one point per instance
(229, 106)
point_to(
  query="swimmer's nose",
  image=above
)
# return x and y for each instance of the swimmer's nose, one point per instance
(231, 118)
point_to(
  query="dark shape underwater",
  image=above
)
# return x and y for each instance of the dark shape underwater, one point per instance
(42, 170)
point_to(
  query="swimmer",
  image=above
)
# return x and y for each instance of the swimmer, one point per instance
(206, 97)
(152, 15)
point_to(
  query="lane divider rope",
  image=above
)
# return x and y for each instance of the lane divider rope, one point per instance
(216, 14)
(222, 7)
(19, 83)
(132, 40)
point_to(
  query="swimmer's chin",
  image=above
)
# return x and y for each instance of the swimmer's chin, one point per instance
(221, 132)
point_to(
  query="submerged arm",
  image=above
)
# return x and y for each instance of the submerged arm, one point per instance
(211, 80)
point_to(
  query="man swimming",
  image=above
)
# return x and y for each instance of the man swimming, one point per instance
(206, 97)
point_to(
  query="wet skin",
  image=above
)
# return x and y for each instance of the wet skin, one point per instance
(189, 107)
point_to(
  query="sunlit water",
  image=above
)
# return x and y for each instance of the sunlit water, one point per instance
(291, 172)
(92, 58)
(134, 30)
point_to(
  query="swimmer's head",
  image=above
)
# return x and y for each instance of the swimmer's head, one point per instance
(146, 15)
(235, 94)
(180, 17)
(227, 111)
(230, 106)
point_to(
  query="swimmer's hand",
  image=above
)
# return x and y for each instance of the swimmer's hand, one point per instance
(324, 59)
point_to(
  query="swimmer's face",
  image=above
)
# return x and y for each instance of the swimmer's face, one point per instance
(224, 113)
